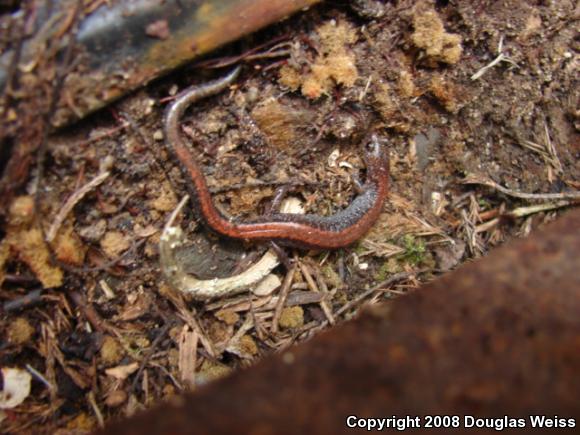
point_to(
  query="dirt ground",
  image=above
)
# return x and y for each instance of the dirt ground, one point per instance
(478, 102)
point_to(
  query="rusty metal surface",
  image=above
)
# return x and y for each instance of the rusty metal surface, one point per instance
(500, 336)
(125, 44)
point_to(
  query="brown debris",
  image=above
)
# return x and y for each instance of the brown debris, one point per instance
(4, 256)
(211, 371)
(280, 122)
(430, 36)
(114, 243)
(187, 356)
(111, 351)
(31, 248)
(336, 64)
(292, 317)
(20, 331)
(116, 399)
(121, 372)
(68, 247)
(444, 93)
(165, 200)
(229, 317)
(21, 211)
(248, 345)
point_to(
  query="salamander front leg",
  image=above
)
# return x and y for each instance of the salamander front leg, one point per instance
(358, 185)
(277, 200)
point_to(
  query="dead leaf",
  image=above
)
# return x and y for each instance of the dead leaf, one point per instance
(122, 372)
(16, 387)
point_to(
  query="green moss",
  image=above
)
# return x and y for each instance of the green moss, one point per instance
(388, 268)
(483, 203)
(414, 249)
(359, 249)
(331, 276)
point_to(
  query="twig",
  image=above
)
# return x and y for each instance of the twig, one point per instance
(185, 315)
(474, 242)
(97, 137)
(282, 297)
(84, 270)
(552, 150)
(91, 314)
(71, 202)
(350, 305)
(27, 300)
(312, 285)
(40, 377)
(547, 152)
(526, 211)
(483, 216)
(364, 92)
(167, 373)
(24, 280)
(187, 356)
(96, 410)
(380, 287)
(235, 339)
(501, 57)
(257, 323)
(268, 54)
(249, 54)
(149, 353)
(254, 184)
(475, 179)
(522, 212)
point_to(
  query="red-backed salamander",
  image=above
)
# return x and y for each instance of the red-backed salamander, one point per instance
(305, 231)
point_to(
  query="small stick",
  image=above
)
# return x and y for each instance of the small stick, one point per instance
(105, 134)
(27, 300)
(149, 353)
(96, 410)
(483, 216)
(257, 323)
(522, 212)
(282, 297)
(188, 317)
(40, 377)
(255, 184)
(187, 356)
(474, 179)
(91, 314)
(325, 293)
(500, 57)
(379, 287)
(312, 285)
(71, 202)
(85, 269)
(230, 60)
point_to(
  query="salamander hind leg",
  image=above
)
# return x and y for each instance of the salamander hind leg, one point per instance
(281, 254)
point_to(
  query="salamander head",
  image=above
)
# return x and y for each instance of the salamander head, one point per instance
(376, 158)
